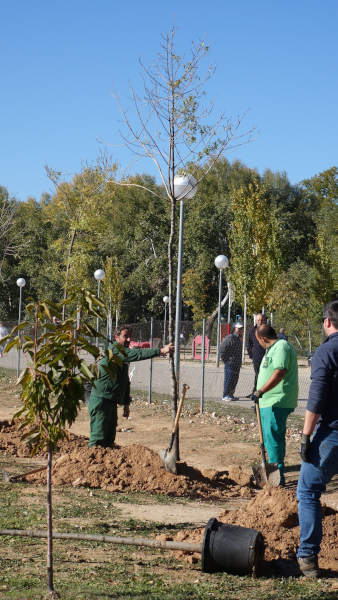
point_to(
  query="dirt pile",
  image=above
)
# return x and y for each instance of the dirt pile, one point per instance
(131, 467)
(274, 513)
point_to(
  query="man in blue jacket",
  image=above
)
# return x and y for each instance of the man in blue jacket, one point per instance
(319, 454)
(255, 350)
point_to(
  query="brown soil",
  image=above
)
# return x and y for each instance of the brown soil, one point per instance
(131, 467)
(274, 513)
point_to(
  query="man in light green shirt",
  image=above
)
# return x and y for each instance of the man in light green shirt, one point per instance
(277, 392)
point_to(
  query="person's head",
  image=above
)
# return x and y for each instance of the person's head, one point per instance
(56, 320)
(282, 330)
(260, 319)
(330, 318)
(122, 335)
(1, 323)
(239, 329)
(266, 335)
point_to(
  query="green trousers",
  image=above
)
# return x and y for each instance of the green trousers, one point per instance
(103, 422)
(274, 430)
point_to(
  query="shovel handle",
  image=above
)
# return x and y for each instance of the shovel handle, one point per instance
(260, 430)
(178, 414)
(29, 473)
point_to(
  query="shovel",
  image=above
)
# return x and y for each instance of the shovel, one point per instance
(167, 459)
(13, 478)
(264, 473)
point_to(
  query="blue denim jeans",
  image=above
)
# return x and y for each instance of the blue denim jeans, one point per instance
(227, 379)
(313, 478)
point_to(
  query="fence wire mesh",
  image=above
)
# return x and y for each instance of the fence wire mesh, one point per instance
(190, 334)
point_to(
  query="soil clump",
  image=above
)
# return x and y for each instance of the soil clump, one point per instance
(131, 467)
(274, 513)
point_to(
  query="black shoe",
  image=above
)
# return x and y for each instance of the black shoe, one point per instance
(306, 565)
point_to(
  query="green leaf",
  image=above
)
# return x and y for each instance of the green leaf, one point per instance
(83, 368)
(111, 372)
(21, 326)
(4, 339)
(19, 413)
(22, 376)
(27, 345)
(12, 345)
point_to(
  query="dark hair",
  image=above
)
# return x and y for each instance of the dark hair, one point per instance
(120, 328)
(331, 311)
(266, 331)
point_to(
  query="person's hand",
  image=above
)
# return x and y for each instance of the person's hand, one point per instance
(126, 411)
(255, 396)
(305, 447)
(169, 348)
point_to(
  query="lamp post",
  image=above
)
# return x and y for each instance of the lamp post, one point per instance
(221, 262)
(165, 300)
(185, 188)
(21, 283)
(99, 275)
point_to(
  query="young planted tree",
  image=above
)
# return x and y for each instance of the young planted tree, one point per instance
(53, 382)
(172, 128)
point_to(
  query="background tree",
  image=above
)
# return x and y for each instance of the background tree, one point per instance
(255, 246)
(81, 205)
(293, 296)
(112, 290)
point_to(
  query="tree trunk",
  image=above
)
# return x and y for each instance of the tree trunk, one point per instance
(211, 320)
(176, 452)
(52, 593)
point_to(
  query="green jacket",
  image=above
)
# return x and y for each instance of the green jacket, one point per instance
(119, 390)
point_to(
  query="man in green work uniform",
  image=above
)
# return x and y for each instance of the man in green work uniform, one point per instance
(277, 392)
(107, 394)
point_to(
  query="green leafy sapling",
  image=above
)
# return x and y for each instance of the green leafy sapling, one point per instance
(53, 380)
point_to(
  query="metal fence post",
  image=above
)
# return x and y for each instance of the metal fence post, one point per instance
(229, 307)
(244, 332)
(203, 356)
(151, 360)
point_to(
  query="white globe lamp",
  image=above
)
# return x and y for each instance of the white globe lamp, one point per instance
(185, 187)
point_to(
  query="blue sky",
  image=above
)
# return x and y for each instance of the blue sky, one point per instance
(276, 58)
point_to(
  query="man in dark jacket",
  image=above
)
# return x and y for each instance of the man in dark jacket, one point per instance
(281, 335)
(255, 350)
(230, 352)
(319, 454)
(107, 394)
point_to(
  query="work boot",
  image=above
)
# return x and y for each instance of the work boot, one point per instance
(305, 565)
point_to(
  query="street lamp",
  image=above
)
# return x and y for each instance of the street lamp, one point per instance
(165, 300)
(99, 275)
(185, 188)
(21, 283)
(221, 263)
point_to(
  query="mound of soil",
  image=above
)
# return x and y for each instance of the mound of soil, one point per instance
(274, 513)
(128, 468)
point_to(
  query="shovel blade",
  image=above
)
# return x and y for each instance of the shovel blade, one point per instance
(268, 474)
(168, 461)
(5, 476)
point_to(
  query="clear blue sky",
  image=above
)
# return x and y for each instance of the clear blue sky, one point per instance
(278, 58)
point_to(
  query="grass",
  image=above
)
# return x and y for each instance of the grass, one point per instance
(95, 571)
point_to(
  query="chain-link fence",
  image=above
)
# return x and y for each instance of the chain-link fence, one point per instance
(217, 382)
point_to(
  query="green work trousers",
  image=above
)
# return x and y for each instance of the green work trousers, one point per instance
(274, 430)
(103, 422)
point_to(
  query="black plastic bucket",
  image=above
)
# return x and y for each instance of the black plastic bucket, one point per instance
(233, 549)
